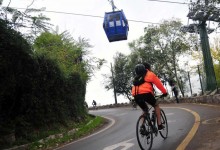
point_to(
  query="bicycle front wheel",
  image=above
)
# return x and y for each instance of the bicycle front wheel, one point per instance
(164, 132)
(144, 134)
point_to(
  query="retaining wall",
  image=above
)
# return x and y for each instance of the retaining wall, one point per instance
(207, 99)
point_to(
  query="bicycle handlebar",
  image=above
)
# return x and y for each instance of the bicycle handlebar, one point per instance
(160, 96)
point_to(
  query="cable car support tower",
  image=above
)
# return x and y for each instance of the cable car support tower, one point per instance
(203, 11)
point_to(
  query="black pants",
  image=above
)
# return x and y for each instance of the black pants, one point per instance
(176, 96)
(141, 100)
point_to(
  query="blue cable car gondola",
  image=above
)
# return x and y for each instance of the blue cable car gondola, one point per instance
(115, 25)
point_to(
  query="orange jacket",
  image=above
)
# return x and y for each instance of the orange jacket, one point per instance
(147, 87)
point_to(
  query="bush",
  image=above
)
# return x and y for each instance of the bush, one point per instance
(34, 93)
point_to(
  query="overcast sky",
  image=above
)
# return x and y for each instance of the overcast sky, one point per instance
(91, 28)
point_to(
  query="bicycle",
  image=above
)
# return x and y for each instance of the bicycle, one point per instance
(146, 128)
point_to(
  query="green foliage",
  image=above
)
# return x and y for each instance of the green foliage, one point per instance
(216, 1)
(85, 126)
(43, 85)
(215, 51)
(123, 73)
(160, 46)
(15, 59)
(70, 55)
(31, 20)
(217, 73)
(35, 92)
(121, 76)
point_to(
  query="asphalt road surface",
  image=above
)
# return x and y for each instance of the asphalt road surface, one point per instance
(184, 121)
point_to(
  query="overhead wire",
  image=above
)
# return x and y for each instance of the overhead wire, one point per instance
(168, 2)
(87, 15)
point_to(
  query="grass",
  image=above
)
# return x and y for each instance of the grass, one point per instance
(61, 135)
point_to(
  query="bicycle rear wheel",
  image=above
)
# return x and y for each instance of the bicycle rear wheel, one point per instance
(164, 132)
(144, 134)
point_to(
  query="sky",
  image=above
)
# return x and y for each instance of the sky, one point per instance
(91, 28)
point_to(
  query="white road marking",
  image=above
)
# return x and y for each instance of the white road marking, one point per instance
(125, 144)
(170, 121)
(168, 114)
(122, 114)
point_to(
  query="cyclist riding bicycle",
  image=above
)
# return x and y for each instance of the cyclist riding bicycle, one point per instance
(145, 93)
(94, 104)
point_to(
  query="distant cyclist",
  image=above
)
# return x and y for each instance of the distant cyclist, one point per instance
(94, 104)
(145, 93)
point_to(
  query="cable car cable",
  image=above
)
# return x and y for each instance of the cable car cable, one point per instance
(169, 2)
(86, 15)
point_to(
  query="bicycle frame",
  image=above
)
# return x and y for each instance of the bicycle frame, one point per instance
(151, 118)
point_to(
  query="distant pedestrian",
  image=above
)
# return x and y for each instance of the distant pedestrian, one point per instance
(176, 93)
(174, 90)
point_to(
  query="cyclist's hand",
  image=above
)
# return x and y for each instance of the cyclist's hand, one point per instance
(164, 95)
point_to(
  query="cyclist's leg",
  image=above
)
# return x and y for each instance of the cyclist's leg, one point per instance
(157, 110)
(153, 102)
(140, 100)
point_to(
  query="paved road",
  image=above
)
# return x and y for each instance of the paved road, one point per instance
(208, 134)
(191, 127)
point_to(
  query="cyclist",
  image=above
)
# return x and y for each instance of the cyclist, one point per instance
(94, 104)
(145, 92)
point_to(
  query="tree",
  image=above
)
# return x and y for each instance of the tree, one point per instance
(31, 25)
(122, 76)
(70, 55)
(215, 51)
(162, 47)
(43, 87)
(217, 1)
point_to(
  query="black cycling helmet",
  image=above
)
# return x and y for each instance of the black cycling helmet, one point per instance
(147, 65)
(140, 69)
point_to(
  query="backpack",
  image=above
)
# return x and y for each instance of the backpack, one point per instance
(138, 80)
